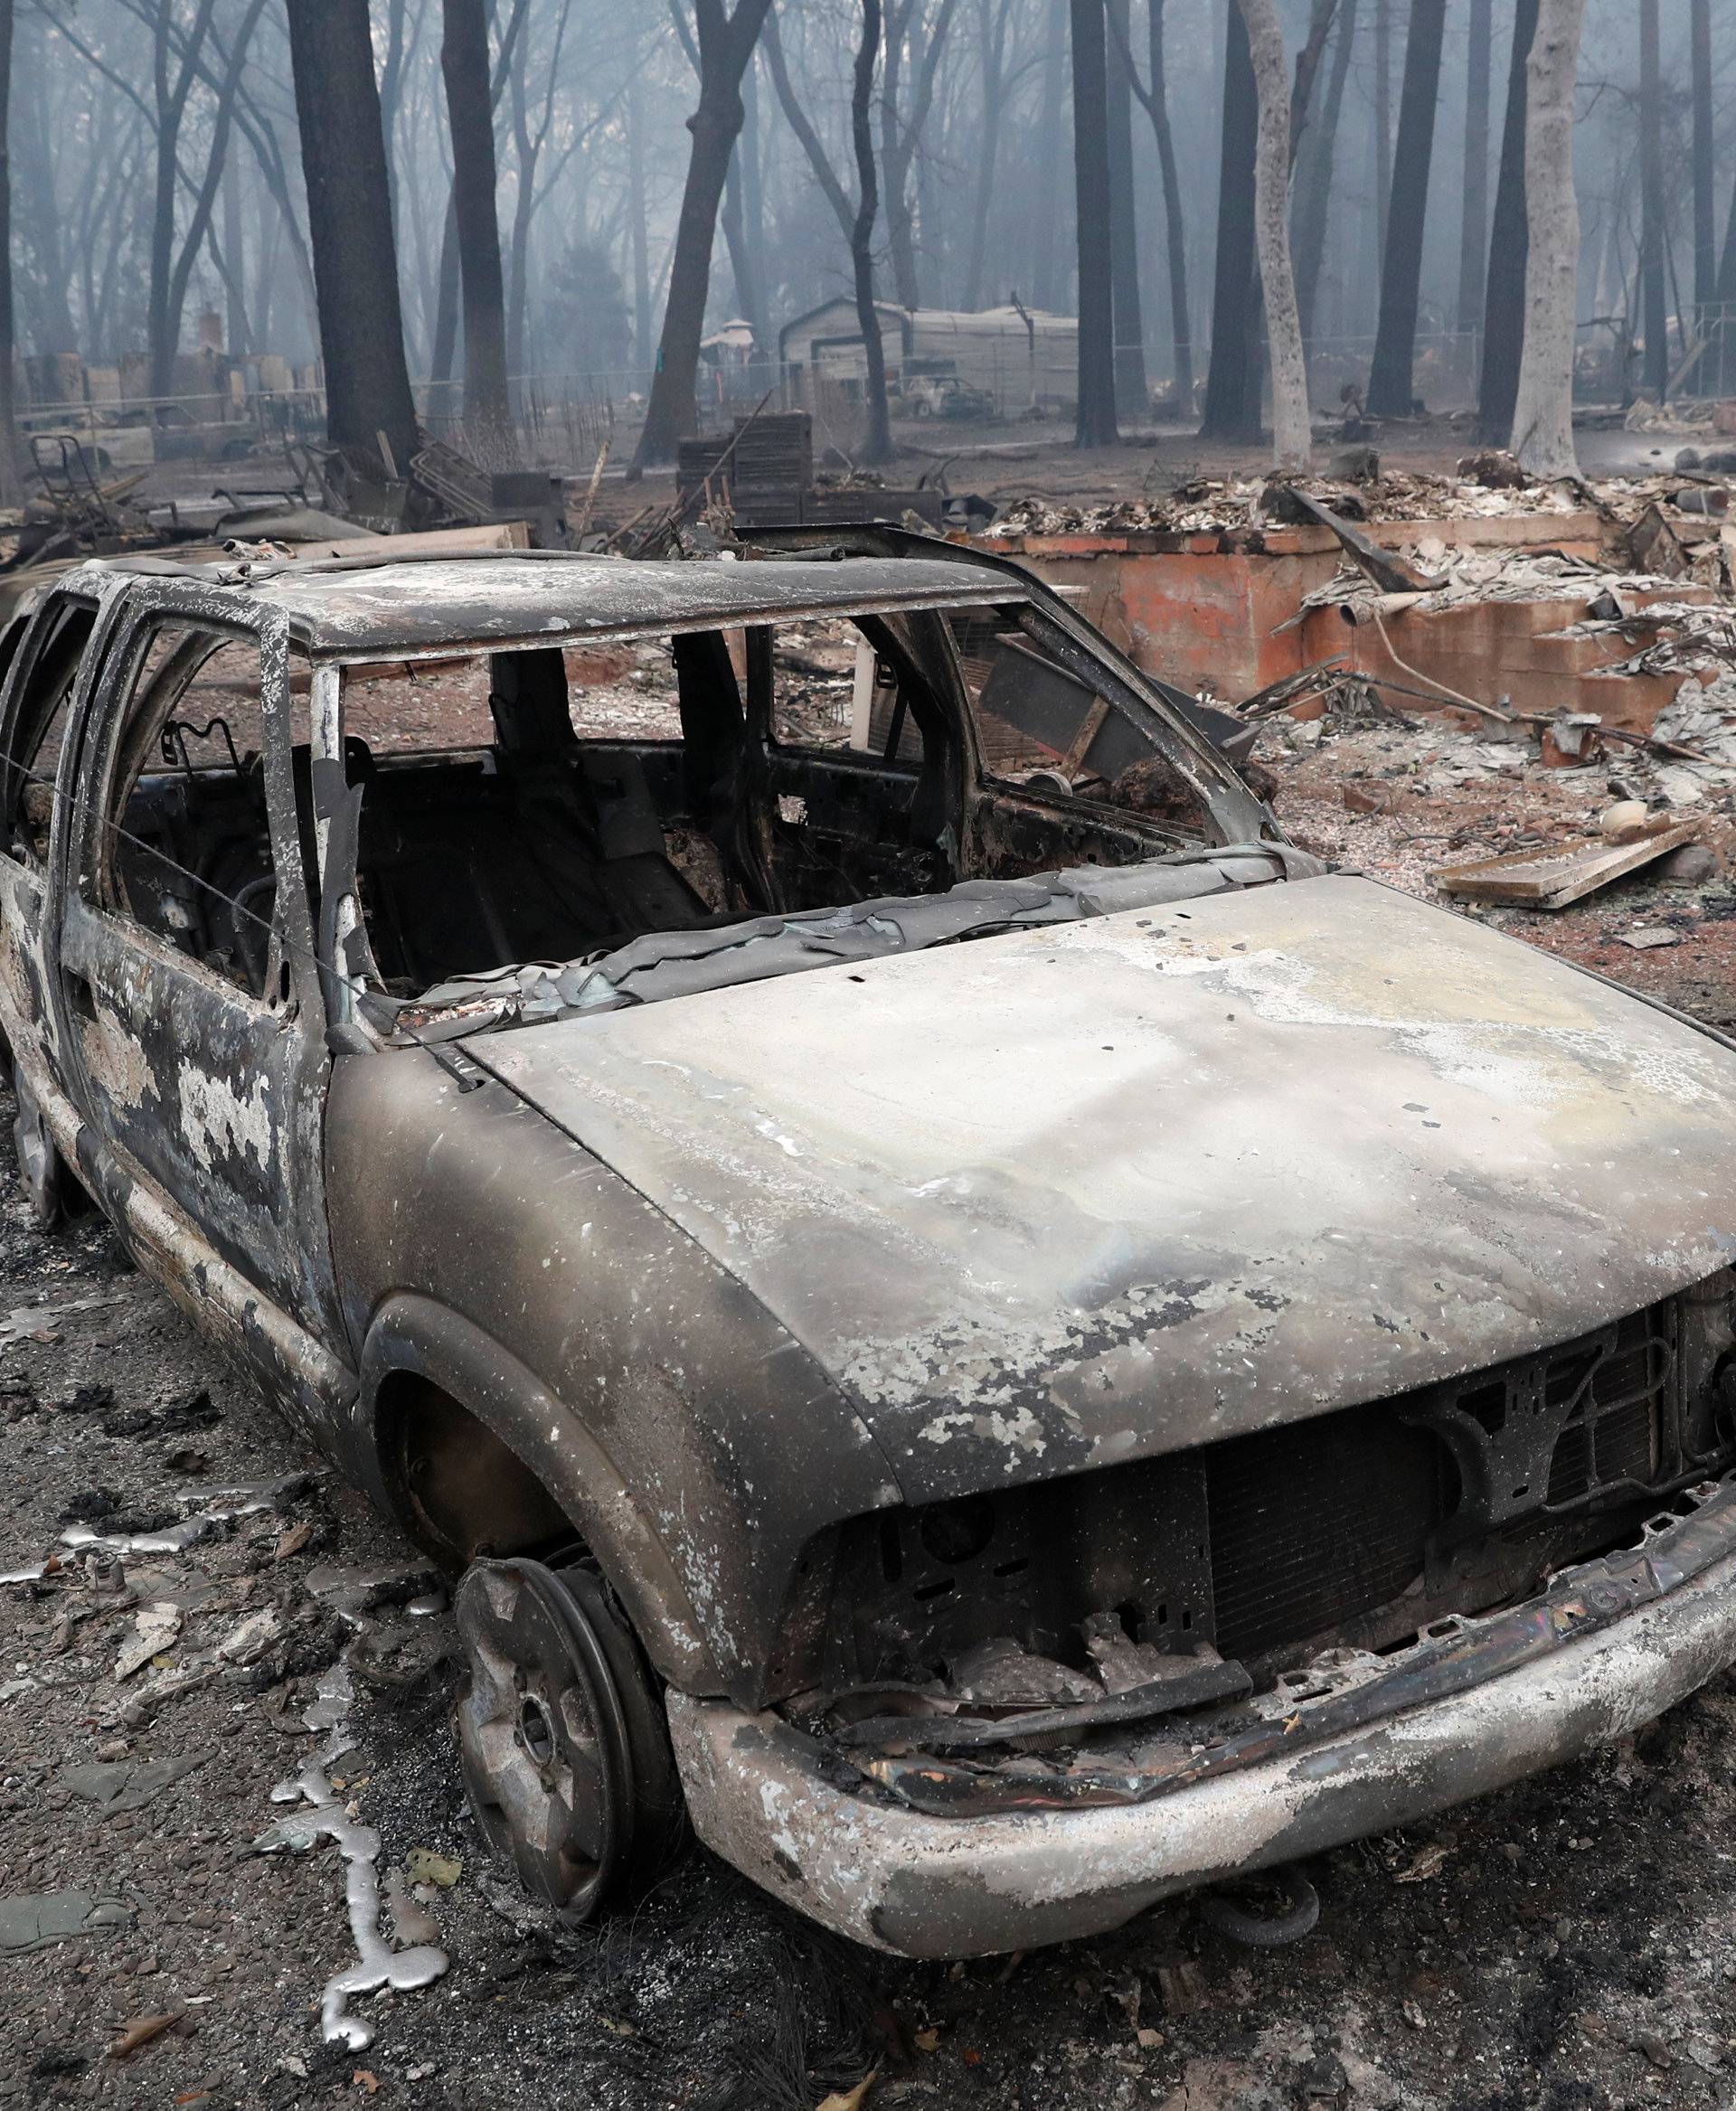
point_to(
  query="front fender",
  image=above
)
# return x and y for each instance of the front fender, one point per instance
(470, 1226)
(414, 1336)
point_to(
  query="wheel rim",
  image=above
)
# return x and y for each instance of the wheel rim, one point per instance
(544, 1742)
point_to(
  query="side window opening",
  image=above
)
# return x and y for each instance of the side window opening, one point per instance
(537, 830)
(1045, 727)
(39, 723)
(546, 805)
(531, 806)
(862, 753)
(186, 851)
(845, 686)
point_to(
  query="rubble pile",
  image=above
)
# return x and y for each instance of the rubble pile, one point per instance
(1689, 497)
(1464, 576)
(1683, 414)
(1670, 637)
(1229, 506)
(1415, 800)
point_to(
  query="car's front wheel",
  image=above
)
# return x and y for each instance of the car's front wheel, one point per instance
(561, 1731)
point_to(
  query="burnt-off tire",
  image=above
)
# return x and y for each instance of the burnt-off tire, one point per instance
(562, 1738)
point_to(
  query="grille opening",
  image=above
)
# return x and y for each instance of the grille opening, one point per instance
(1312, 1524)
(1488, 1405)
(1354, 1525)
(1613, 1434)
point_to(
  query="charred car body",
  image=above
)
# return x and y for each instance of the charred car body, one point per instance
(965, 1313)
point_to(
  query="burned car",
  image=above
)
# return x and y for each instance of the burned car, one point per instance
(962, 1314)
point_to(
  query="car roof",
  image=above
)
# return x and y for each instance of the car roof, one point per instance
(357, 608)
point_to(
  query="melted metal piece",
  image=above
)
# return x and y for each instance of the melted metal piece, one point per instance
(174, 1539)
(246, 1499)
(323, 1817)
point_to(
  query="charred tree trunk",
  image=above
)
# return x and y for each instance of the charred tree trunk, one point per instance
(236, 337)
(1322, 14)
(529, 153)
(171, 99)
(994, 43)
(900, 248)
(1290, 435)
(268, 159)
(1705, 239)
(349, 224)
(733, 218)
(1181, 327)
(267, 228)
(1654, 315)
(527, 147)
(1503, 304)
(469, 109)
(1095, 426)
(1045, 218)
(39, 213)
(8, 424)
(1389, 381)
(444, 357)
(878, 447)
(448, 284)
(636, 223)
(901, 126)
(1232, 384)
(172, 76)
(1382, 119)
(1314, 181)
(754, 203)
(726, 43)
(1543, 419)
(1132, 391)
(1725, 291)
(1474, 223)
(807, 138)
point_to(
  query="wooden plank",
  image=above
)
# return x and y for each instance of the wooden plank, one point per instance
(1389, 572)
(1564, 872)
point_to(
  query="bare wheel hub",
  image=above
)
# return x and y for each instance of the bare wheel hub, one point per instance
(565, 1760)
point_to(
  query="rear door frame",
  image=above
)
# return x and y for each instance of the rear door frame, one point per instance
(281, 1321)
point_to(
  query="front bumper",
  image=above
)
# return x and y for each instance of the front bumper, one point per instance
(1611, 1644)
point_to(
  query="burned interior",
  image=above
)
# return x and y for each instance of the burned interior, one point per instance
(968, 746)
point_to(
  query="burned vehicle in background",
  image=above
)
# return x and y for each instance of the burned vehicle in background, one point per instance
(962, 1311)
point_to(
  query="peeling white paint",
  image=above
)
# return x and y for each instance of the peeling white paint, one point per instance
(219, 1120)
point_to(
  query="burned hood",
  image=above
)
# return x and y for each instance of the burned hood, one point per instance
(1053, 1200)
